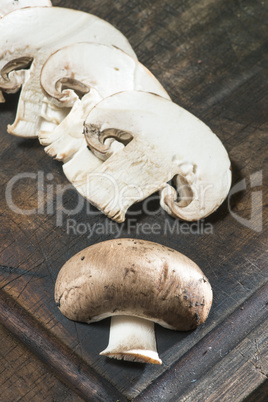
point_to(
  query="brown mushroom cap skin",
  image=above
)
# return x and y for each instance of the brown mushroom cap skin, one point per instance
(137, 278)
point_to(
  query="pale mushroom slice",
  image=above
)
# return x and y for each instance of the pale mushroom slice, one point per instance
(99, 70)
(43, 30)
(137, 283)
(165, 141)
(7, 6)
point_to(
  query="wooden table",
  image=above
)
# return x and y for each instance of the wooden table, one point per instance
(209, 55)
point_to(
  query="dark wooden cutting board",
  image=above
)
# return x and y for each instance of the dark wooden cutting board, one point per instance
(210, 56)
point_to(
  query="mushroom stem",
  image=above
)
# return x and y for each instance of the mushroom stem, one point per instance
(132, 339)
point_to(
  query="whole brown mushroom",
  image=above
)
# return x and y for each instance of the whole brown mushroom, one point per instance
(138, 283)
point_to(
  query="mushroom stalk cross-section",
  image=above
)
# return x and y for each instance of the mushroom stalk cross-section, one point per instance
(127, 278)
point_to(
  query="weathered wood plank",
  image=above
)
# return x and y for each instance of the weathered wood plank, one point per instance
(259, 394)
(24, 377)
(248, 362)
(72, 371)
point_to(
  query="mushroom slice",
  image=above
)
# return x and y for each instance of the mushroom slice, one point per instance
(43, 30)
(10, 5)
(137, 283)
(95, 70)
(167, 142)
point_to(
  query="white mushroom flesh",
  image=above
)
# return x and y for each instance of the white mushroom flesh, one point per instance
(7, 6)
(101, 71)
(132, 339)
(43, 30)
(167, 141)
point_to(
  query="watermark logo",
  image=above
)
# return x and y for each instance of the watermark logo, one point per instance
(131, 226)
(50, 198)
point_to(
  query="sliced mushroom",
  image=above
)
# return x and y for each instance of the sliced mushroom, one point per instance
(165, 141)
(9, 5)
(99, 71)
(43, 30)
(133, 278)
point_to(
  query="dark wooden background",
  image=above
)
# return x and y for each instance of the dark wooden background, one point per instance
(210, 56)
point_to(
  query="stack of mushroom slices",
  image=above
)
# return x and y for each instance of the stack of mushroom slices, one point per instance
(23, 56)
(135, 140)
(99, 71)
(137, 283)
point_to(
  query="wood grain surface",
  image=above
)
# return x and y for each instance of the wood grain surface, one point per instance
(210, 56)
(25, 377)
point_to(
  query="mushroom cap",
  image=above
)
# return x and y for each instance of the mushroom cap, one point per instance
(43, 30)
(165, 141)
(137, 278)
(8, 5)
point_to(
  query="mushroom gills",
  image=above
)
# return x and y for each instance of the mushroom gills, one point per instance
(132, 339)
